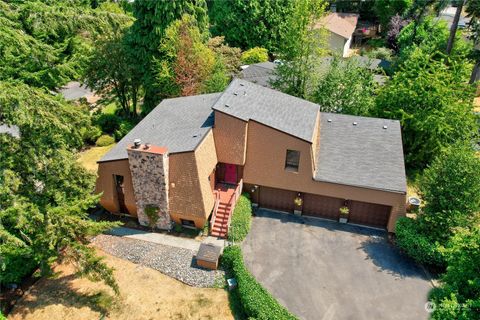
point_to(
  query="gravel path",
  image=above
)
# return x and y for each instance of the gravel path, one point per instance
(178, 263)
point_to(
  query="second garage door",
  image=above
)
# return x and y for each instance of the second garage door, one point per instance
(322, 206)
(277, 199)
(370, 214)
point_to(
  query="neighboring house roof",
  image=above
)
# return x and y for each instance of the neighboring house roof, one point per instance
(343, 24)
(247, 101)
(12, 130)
(372, 63)
(364, 155)
(260, 73)
(264, 73)
(179, 124)
(75, 90)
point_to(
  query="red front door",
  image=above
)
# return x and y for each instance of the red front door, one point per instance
(230, 173)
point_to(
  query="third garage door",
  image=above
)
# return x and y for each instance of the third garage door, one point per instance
(277, 199)
(321, 206)
(371, 214)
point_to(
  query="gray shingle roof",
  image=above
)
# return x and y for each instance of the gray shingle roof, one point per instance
(364, 155)
(248, 101)
(259, 73)
(178, 124)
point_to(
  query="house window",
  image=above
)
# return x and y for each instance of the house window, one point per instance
(188, 223)
(292, 160)
(118, 180)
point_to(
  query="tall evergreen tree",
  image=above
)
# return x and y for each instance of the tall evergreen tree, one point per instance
(253, 23)
(145, 36)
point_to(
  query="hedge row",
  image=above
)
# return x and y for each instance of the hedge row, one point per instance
(256, 301)
(241, 219)
(416, 245)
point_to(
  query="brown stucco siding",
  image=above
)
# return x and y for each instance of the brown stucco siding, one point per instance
(230, 138)
(265, 166)
(206, 159)
(105, 183)
(185, 198)
(190, 193)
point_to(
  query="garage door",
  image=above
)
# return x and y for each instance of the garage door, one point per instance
(277, 199)
(371, 214)
(321, 206)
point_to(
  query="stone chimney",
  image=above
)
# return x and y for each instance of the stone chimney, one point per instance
(149, 169)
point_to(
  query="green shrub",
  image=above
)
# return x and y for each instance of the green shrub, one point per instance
(124, 127)
(2, 317)
(256, 301)
(255, 55)
(377, 43)
(380, 53)
(108, 122)
(411, 240)
(15, 263)
(241, 219)
(91, 134)
(104, 140)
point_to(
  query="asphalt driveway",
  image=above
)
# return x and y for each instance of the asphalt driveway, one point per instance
(320, 269)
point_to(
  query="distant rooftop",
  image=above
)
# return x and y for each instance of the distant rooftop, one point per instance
(360, 151)
(179, 124)
(286, 113)
(12, 130)
(259, 73)
(74, 90)
(343, 24)
(264, 73)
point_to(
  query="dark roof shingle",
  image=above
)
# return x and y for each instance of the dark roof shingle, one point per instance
(178, 124)
(364, 155)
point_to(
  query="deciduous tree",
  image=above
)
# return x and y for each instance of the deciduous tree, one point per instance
(432, 100)
(112, 73)
(147, 33)
(190, 66)
(301, 50)
(345, 87)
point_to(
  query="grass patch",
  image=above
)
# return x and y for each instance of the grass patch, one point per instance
(109, 108)
(88, 158)
(250, 298)
(241, 219)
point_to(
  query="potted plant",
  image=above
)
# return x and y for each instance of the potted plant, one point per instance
(344, 211)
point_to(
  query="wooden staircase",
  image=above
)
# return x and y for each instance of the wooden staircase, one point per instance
(220, 225)
(226, 197)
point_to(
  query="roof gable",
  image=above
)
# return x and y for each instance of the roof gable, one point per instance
(247, 101)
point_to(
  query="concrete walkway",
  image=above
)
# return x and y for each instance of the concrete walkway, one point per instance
(165, 239)
(160, 238)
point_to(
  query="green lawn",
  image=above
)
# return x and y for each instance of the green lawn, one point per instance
(88, 158)
(109, 108)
